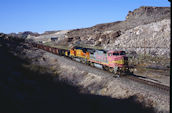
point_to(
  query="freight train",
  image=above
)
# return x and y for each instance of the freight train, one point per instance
(113, 61)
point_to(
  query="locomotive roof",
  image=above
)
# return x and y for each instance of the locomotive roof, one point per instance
(93, 50)
(77, 47)
(101, 50)
(112, 51)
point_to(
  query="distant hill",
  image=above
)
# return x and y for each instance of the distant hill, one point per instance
(23, 34)
(49, 32)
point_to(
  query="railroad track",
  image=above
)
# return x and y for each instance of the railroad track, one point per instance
(131, 77)
(143, 81)
(137, 79)
(150, 83)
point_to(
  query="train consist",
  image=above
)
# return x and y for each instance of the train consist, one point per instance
(113, 61)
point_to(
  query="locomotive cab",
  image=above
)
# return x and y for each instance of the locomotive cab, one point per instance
(118, 60)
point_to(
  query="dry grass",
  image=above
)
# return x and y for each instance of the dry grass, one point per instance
(51, 71)
(147, 60)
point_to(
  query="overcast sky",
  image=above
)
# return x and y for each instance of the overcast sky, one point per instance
(44, 15)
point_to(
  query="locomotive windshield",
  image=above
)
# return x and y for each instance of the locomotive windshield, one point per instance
(122, 53)
(119, 53)
(115, 54)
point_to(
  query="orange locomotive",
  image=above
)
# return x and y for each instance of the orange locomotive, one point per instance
(80, 53)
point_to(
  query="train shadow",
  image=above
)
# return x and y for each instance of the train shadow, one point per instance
(25, 91)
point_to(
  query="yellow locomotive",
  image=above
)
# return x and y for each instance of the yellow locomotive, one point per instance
(80, 53)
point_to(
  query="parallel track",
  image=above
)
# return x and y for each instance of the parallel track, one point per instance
(149, 83)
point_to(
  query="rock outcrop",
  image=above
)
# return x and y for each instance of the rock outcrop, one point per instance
(146, 30)
(140, 16)
(152, 38)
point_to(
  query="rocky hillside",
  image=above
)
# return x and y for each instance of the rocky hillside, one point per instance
(146, 30)
(152, 38)
(107, 33)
